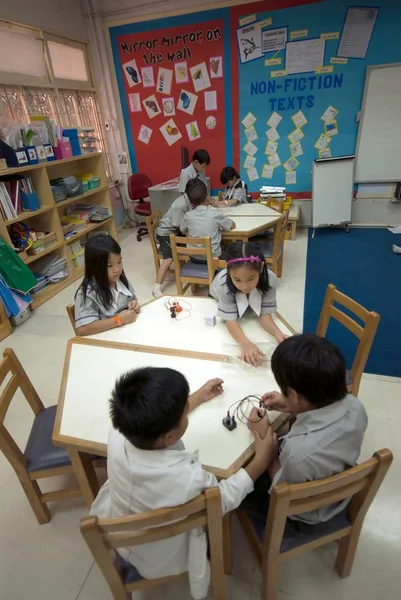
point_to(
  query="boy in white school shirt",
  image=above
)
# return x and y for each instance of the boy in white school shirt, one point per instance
(149, 468)
(200, 160)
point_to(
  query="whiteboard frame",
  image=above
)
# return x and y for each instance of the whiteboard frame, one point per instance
(369, 70)
(333, 159)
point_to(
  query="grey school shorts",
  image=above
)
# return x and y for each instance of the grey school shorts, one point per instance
(164, 245)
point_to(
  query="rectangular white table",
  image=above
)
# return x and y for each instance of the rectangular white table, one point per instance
(246, 227)
(90, 372)
(253, 209)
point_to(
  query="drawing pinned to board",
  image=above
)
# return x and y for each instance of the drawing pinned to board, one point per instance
(168, 105)
(296, 149)
(249, 162)
(326, 153)
(299, 119)
(274, 120)
(170, 132)
(329, 114)
(274, 40)
(331, 128)
(193, 131)
(322, 142)
(291, 164)
(250, 134)
(164, 81)
(357, 31)
(132, 73)
(181, 72)
(250, 148)
(249, 43)
(187, 102)
(248, 120)
(290, 177)
(296, 135)
(274, 160)
(152, 106)
(271, 147)
(210, 100)
(253, 174)
(200, 77)
(144, 134)
(272, 134)
(304, 56)
(267, 171)
(216, 67)
(211, 122)
(148, 78)
(135, 102)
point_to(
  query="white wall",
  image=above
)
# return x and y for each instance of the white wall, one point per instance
(60, 16)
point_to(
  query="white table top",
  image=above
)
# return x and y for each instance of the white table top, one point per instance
(155, 327)
(249, 226)
(253, 209)
(91, 372)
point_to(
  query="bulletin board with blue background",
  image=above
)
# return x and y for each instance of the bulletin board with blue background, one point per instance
(289, 92)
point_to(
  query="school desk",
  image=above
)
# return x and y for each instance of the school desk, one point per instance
(155, 327)
(248, 209)
(90, 370)
(246, 227)
(163, 195)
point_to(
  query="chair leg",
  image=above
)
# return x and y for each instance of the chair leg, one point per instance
(227, 544)
(33, 494)
(86, 475)
(193, 288)
(346, 554)
(280, 265)
(270, 578)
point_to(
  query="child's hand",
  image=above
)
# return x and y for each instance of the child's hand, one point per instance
(127, 316)
(274, 401)
(210, 390)
(134, 305)
(280, 337)
(251, 353)
(258, 421)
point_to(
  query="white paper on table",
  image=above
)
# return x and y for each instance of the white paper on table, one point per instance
(291, 177)
(249, 43)
(296, 135)
(274, 39)
(322, 142)
(357, 31)
(396, 229)
(274, 160)
(249, 120)
(250, 148)
(274, 120)
(272, 134)
(200, 77)
(249, 162)
(291, 164)
(250, 134)
(148, 78)
(267, 171)
(164, 81)
(271, 147)
(253, 174)
(296, 149)
(299, 119)
(329, 114)
(304, 56)
(211, 100)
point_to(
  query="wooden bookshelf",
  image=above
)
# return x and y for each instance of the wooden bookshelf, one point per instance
(47, 218)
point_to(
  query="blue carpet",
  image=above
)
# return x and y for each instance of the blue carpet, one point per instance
(362, 265)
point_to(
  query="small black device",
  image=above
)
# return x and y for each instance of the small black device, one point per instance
(229, 422)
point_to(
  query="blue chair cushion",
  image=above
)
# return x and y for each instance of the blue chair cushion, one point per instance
(129, 574)
(191, 269)
(295, 536)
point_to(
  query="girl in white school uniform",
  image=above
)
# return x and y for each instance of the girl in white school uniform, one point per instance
(246, 285)
(235, 190)
(105, 299)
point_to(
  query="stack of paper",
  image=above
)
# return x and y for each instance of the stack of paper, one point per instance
(96, 213)
(52, 268)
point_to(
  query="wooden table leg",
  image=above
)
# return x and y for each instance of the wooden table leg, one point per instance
(227, 544)
(86, 475)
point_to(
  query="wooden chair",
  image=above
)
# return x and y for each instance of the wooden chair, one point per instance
(71, 314)
(273, 251)
(365, 333)
(105, 536)
(41, 459)
(5, 324)
(271, 547)
(152, 223)
(275, 203)
(191, 273)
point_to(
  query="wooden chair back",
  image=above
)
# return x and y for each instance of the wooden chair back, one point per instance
(277, 258)
(5, 323)
(105, 536)
(359, 483)
(275, 203)
(152, 223)
(182, 252)
(70, 308)
(365, 333)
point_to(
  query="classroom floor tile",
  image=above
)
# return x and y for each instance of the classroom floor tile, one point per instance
(52, 561)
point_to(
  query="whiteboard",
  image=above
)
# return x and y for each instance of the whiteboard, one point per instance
(379, 136)
(332, 190)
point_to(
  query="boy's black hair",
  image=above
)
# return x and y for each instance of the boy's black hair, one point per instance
(196, 191)
(312, 366)
(147, 403)
(97, 250)
(243, 250)
(202, 156)
(227, 174)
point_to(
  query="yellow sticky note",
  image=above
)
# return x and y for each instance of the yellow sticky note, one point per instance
(278, 73)
(264, 23)
(334, 35)
(270, 62)
(246, 20)
(300, 33)
(324, 70)
(338, 61)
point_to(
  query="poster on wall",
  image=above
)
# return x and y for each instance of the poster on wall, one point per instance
(249, 43)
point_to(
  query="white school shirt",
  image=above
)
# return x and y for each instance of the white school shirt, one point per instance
(190, 173)
(236, 192)
(92, 308)
(205, 221)
(144, 480)
(232, 306)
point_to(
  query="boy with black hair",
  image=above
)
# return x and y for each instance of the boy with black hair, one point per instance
(149, 468)
(204, 221)
(170, 224)
(327, 435)
(200, 160)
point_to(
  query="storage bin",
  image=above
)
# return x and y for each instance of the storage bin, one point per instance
(30, 201)
(94, 183)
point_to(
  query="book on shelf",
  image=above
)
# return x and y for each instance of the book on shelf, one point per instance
(10, 199)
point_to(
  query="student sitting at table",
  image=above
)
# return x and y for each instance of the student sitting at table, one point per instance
(235, 191)
(327, 435)
(170, 224)
(200, 160)
(105, 299)
(204, 221)
(149, 468)
(246, 286)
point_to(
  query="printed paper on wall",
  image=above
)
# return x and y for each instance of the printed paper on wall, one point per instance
(152, 106)
(132, 73)
(164, 81)
(135, 102)
(249, 43)
(200, 77)
(216, 67)
(170, 132)
(181, 72)
(148, 78)
(144, 134)
(250, 148)
(168, 105)
(187, 102)
(193, 131)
